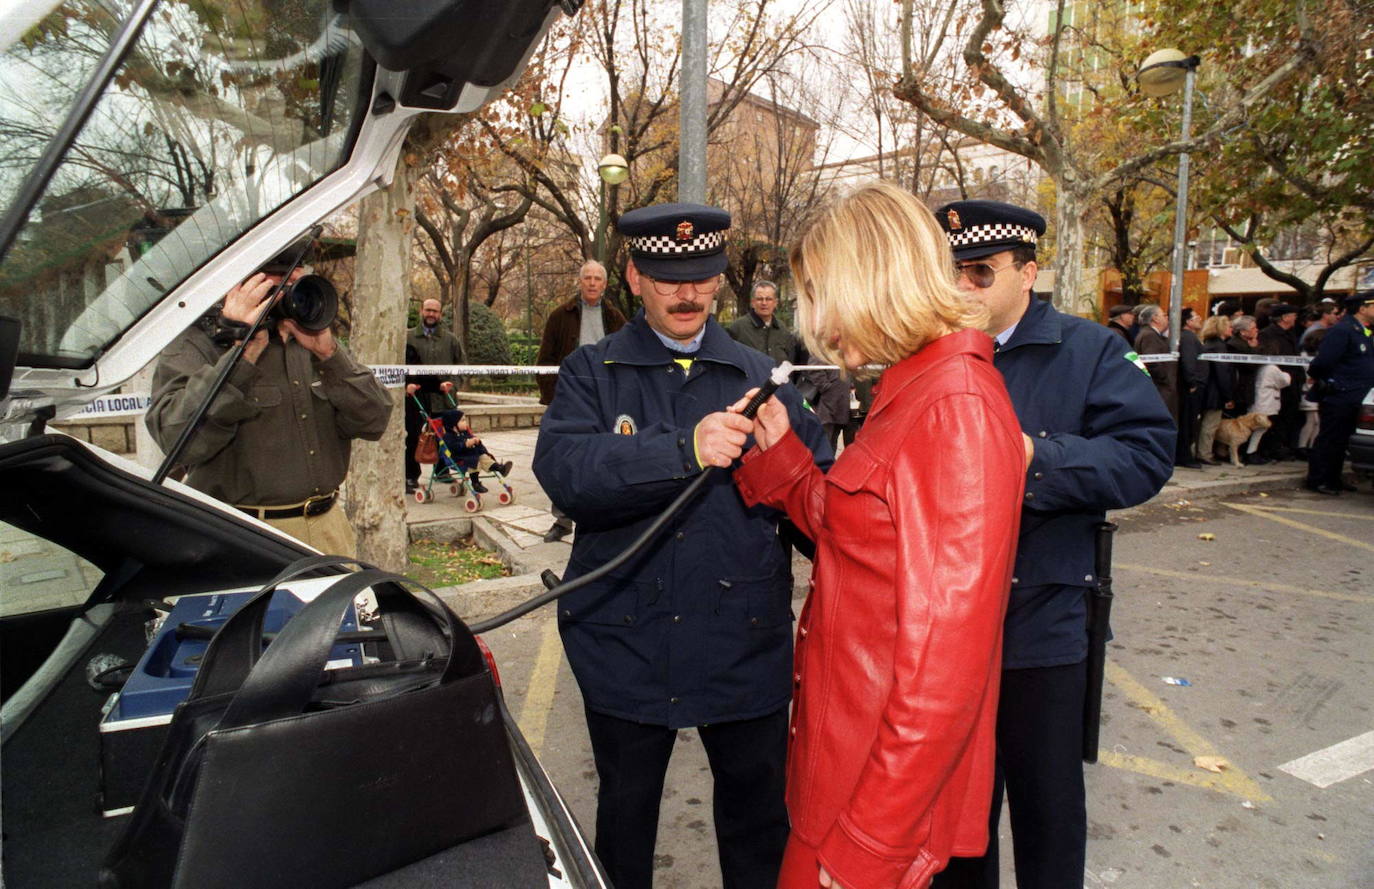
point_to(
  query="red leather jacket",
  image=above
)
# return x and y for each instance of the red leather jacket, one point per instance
(899, 646)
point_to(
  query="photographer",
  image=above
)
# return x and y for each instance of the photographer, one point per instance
(275, 443)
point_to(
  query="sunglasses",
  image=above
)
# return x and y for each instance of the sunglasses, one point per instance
(979, 274)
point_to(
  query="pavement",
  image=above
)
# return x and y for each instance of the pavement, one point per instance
(516, 530)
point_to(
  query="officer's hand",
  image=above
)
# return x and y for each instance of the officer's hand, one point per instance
(445, 386)
(1030, 448)
(412, 388)
(720, 438)
(771, 423)
(320, 342)
(248, 300)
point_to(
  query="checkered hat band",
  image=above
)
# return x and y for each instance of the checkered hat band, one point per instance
(667, 245)
(986, 234)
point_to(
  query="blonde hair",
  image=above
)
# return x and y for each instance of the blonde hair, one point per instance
(875, 268)
(1212, 328)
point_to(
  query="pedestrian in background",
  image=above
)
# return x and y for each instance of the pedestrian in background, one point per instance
(1218, 391)
(581, 321)
(761, 330)
(1280, 338)
(1192, 376)
(428, 342)
(1244, 339)
(1121, 320)
(1153, 339)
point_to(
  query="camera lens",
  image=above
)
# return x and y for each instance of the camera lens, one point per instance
(312, 302)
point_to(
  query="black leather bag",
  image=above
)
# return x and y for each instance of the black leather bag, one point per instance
(277, 772)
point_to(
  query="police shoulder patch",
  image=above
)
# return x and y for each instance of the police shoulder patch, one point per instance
(1135, 359)
(625, 425)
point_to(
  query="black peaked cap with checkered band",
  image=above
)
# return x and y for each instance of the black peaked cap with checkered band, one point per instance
(676, 242)
(982, 228)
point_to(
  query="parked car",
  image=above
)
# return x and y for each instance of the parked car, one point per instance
(1362, 442)
(152, 155)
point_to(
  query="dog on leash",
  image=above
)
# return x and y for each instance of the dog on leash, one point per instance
(1237, 431)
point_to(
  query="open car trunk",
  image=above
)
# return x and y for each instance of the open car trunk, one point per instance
(89, 547)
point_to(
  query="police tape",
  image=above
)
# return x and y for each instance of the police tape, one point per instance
(393, 376)
(1232, 358)
(117, 405)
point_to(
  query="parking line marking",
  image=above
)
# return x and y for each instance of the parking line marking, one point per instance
(1264, 586)
(534, 710)
(1335, 763)
(1321, 512)
(1233, 780)
(1322, 532)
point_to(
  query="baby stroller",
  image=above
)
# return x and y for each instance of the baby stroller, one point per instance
(459, 460)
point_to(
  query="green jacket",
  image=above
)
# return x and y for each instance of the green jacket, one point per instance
(772, 339)
(439, 348)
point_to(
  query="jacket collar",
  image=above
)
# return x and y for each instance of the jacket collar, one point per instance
(759, 323)
(1039, 325)
(575, 304)
(636, 344)
(910, 369)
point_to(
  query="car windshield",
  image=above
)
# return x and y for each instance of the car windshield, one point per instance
(219, 113)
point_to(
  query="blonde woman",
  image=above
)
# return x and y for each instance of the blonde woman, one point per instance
(1218, 393)
(898, 654)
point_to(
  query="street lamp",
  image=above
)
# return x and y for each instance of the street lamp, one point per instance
(1161, 75)
(612, 170)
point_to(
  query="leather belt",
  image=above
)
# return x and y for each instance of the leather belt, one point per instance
(312, 507)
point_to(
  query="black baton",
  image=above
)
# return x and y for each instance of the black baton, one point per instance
(1099, 627)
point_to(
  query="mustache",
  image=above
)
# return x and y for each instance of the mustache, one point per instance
(685, 306)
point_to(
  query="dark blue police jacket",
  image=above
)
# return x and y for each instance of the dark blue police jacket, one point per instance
(1346, 359)
(698, 627)
(1103, 440)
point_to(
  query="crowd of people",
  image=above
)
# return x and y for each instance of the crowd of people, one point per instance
(1265, 412)
(940, 662)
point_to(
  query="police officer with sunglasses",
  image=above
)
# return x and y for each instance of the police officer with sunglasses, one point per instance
(1101, 440)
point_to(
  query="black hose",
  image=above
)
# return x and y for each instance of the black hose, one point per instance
(776, 379)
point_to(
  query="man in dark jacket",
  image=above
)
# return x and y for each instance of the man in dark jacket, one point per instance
(696, 630)
(1153, 339)
(1280, 337)
(1101, 440)
(580, 321)
(1192, 376)
(1344, 365)
(1244, 339)
(1122, 319)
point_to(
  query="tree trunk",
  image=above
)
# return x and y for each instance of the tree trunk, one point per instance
(1073, 293)
(376, 479)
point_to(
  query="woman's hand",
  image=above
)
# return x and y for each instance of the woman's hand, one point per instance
(826, 881)
(770, 424)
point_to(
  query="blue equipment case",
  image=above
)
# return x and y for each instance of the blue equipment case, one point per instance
(136, 719)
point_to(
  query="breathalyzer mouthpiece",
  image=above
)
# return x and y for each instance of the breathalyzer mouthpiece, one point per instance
(775, 379)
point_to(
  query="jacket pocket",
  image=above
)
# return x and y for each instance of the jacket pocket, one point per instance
(613, 603)
(265, 396)
(757, 602)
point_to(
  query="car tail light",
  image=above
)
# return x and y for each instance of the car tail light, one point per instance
(1366, 419)
(491, 661)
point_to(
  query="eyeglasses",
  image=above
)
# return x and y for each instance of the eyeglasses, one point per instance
(979, 274)
(672, 288)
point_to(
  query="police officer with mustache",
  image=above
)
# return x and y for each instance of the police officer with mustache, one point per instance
(696, 631)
